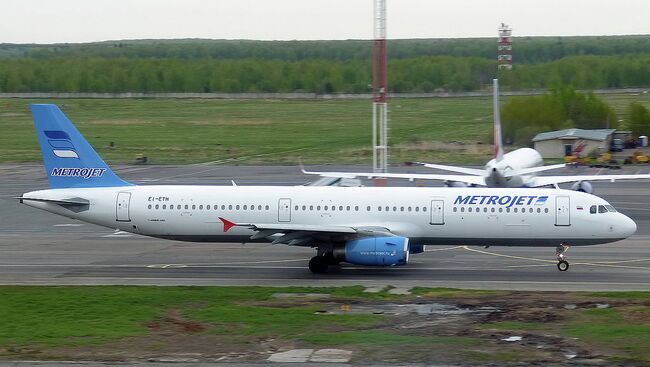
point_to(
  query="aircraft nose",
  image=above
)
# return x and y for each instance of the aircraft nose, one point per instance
(627, 226)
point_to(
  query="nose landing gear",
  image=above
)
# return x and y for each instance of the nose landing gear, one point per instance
(560, 250)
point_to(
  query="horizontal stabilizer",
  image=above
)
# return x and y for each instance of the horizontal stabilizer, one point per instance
(64, 202)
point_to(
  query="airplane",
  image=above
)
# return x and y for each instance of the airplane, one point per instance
(373, 226)
(518, 168)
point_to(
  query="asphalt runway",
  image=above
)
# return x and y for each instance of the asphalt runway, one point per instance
(40, 248)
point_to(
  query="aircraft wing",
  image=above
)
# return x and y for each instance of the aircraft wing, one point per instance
(528, 171)
(301, 234)
(552, 180)
(464, 170)
(473, 180)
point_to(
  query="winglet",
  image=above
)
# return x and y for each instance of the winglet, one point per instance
(302, 166)
(227, 224)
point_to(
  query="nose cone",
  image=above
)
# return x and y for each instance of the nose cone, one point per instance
(627, 226)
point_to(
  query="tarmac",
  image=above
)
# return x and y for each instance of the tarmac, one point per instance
(37, 247)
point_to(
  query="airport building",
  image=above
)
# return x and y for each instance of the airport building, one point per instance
(560, 143)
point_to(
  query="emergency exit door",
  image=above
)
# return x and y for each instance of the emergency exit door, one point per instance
(284, 210)
(122, 207)
(437, 212)
(562, 211)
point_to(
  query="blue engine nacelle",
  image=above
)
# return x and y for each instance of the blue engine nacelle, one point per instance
(377, 251)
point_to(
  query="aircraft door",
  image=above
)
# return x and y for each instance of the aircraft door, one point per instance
(122, 207)
(562, 211)
(437, 212)
(284, 210)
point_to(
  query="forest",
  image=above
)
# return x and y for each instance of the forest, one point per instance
(325, 67)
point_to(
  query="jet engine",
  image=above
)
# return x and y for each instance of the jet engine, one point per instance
(583, 186)
(374, 251)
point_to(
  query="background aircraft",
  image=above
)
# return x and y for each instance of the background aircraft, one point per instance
(518, 168)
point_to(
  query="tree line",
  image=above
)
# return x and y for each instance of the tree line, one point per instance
(527, 50)
(409, 75)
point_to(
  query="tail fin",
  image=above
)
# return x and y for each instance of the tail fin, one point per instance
(498, 141)
(69, 159)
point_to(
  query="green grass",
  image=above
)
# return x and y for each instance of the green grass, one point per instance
(91, 315)
(265, 131)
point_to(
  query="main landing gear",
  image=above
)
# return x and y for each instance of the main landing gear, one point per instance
(560, 250)
(319, 264)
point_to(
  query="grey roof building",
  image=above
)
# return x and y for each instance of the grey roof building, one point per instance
(560, 143)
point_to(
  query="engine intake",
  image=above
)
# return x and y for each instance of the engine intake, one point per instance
(376, 251)
(583, 186)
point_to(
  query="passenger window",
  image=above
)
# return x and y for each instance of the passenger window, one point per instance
(462, 209)
(409, 209)
(417, 208)
(296, 207)
(341, 208)
(539, 210)
(394, 208)
(484, 210)
(207, 207)
(545, 210)
(515, 210)
(311, 207)
(164, 206)
(178, 207)
(602, 209)
(378, 208)
(469, 209)
(387, 209)
(500, 210)
(187, 207)
(236, 207)
(245, 207)
(325, 207)
(318, 207)
(507, 210)
(347, 208)
(455, 209)
(304, 207)
(259, 207)
(401, 208)
(194, 207)
(223, 207)
(156, 206)
(267, 207)
(149, 206)
(200, 207)
(368, 208)
(424, 208)
(493, 210)
(356, 208)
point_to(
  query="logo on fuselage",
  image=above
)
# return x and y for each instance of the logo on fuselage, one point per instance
(78, 172)
(505, 200)
(61, 144)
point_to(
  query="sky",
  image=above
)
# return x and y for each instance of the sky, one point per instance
(58, 21)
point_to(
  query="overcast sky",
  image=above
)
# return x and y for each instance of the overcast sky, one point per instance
(52, 21)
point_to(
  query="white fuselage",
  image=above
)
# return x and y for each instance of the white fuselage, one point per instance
(428, 216)
(497, 172)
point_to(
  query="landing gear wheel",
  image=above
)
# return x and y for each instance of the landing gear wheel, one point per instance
(318, 264)
(563, 265)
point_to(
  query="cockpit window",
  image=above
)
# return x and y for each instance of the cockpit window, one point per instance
(610, 208)
(593, 209)
(602, 209)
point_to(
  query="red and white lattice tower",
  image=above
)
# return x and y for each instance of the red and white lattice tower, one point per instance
(505, 47)
(380, 90)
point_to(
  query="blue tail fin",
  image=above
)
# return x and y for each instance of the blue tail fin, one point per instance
(69, 159)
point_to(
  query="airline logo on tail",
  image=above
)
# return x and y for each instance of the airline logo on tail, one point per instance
(61, 144)
(78, 172)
